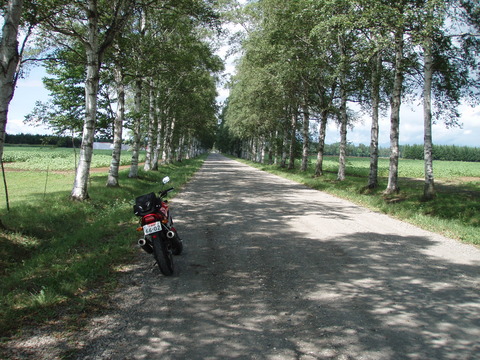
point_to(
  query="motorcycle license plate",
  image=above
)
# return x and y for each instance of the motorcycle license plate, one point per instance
(152, 228)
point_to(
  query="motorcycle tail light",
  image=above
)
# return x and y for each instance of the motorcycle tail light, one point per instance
(148, 219)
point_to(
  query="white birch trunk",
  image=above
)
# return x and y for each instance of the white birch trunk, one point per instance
(305, 136)
(112, 180)
(283, 162)
(171, 150)
(151, 128)
(375, 94)
(293, 138)
(181, 144)
(429, 189)
(136, 129)
(321, 143)
(158, 146)
(9, 60)
(392, 186)
(80, 186)
(261, 150)
(343, 113)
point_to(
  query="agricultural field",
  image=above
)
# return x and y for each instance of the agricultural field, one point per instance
(358, 166)
(32, 173)
(51, 158)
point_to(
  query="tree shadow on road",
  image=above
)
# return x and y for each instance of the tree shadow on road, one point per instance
(250, 286)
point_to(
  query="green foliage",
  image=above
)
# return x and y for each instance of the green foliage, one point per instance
(443, 152)
(36, 139)
(63, 255)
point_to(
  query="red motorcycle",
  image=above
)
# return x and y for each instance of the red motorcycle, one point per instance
(160, 236)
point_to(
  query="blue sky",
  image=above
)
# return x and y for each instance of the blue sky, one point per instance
(30, 90)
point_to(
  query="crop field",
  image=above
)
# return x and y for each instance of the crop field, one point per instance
(357, 166)
(32, 173)
(48, 158)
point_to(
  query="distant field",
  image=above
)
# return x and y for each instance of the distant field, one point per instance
(407, 168)
(49, 158)
(35, 172)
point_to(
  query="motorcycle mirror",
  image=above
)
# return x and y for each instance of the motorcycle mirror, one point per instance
(166, 179)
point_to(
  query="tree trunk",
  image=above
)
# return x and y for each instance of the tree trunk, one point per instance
(321, 143)
(261, 150)
(373, 177)
(9, 60)
(151, 128)
(136, 129)
(172, 145)
(343, 112)
(293, 141)
(181, 145)
(165, 142)
(283, 162)
(305, 136)
(158, 147)
(168, 142)
(278, 146)
(392, 186)
(271, 150)
(112, 180)
(429, 189)
(80, 186)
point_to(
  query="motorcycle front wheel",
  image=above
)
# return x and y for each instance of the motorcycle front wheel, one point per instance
(162, 251)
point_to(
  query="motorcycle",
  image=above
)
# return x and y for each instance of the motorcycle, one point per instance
(160, 237)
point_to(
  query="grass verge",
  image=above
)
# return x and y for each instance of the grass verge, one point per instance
(54, 252)
(455, 212)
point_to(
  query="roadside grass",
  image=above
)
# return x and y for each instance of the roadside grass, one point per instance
(59, 258)
(455, 212)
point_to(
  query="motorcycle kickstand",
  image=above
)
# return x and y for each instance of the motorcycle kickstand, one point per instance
(154, 266)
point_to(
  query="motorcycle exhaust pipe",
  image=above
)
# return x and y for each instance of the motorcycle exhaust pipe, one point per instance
(145, 246)
(170, 234)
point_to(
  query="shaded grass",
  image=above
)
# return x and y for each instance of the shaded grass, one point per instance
(455, 212)
(55, 252)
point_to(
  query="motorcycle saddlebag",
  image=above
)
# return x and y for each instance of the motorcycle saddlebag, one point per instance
(145, 204)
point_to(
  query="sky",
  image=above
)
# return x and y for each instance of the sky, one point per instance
(30, 89)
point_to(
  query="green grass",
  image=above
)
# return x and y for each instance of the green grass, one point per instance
(62, 257)
(455, 212)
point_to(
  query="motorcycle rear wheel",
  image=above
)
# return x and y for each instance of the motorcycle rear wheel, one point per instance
(162, 251)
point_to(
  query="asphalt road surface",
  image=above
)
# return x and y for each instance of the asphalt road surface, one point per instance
(274, 270)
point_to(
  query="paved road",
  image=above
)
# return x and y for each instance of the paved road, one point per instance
(274, 270)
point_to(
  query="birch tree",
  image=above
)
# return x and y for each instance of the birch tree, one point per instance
(112, 180)
(396, 101)
(94, 23)
(9, 61)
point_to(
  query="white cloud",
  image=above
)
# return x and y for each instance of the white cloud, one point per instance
(16, 126)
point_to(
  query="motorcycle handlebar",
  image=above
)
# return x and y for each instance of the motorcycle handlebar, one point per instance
(165, 192)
